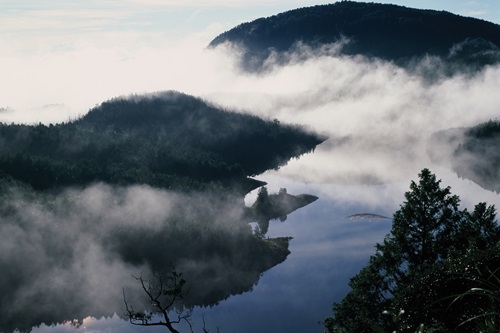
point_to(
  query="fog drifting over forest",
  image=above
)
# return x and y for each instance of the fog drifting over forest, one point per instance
(378, 118)
(376, 114)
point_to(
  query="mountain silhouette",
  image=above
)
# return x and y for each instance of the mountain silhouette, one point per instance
(166, 140)
(389, 32)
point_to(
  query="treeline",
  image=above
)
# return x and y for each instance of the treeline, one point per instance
(168, 140)
(474, 152)
(389, 32)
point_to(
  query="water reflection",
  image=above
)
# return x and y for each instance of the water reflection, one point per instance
(76, 250)
(326, 250)
(77, 254)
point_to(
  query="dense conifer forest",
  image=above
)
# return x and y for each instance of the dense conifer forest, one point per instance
(167, 140)
(152, 181)
(436, 271)
(383, 31)
(474, 152)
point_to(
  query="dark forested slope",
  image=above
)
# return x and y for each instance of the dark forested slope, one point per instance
(168, 140)
(384, 31)
(473, 152)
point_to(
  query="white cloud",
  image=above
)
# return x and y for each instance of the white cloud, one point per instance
(476, 13)
(378, 116)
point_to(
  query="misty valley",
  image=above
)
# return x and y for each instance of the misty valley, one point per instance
(257, 207)
(169, 191)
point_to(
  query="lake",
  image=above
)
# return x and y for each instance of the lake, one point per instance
(327, 249)
(378, 118)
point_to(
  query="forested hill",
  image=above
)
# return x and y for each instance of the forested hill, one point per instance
(474, 152)
(168, 140)
(389, 32)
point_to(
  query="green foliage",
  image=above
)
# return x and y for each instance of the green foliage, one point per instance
(262, 196)
(476, 155)
(433, 252)
(423, 228)
(389, 32)
(168, 140)
(485, 130)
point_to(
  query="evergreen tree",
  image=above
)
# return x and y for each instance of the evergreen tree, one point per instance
(432, 253)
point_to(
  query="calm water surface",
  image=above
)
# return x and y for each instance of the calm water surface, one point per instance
(327, 249)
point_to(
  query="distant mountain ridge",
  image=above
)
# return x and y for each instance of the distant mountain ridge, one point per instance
(388, 32)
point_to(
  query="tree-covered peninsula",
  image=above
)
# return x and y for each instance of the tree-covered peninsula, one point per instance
(136, 187)
(167, 140)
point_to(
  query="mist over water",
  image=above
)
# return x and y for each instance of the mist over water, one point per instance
(378, 118)
(73, 254)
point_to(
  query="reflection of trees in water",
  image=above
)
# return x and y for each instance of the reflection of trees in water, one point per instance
(75, 251)
(268, 207)
(211, 242)
(66, 253)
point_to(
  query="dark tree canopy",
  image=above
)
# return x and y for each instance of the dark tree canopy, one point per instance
(474, 152)
(204, 235)
(434, 251)
(167, 140)
(196, 159)
(384, 31)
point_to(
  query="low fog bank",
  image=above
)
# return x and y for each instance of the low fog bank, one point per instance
(379, 116)
(68, 255)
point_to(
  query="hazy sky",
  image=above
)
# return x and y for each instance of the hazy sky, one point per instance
(56, 17)
(58, 22)
(60, 58)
